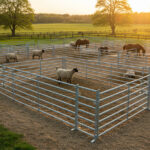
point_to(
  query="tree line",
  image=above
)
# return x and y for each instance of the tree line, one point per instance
(61, 18)
(131, 18)
(15, 14)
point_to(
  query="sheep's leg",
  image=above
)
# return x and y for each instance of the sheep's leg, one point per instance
(7, 60)
(59, 79)
(69, 80)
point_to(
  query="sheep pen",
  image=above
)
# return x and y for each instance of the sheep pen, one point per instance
(99, 98)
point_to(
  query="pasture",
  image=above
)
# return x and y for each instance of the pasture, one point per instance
(101, 77)
(44, 28)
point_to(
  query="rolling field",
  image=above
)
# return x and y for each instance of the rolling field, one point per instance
(139, 29)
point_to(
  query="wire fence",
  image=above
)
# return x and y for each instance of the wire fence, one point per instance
(91, 107)
(61, 35)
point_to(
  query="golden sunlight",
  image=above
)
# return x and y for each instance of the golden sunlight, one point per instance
(140, 5)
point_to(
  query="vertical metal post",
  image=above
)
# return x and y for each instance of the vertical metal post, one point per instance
(110, 74)
(38, 96)
(3, 76)
(13, 88)
(76, 106)
(148, 97)
(146, 62)
(53, 51)
(118, 59)
(141, 81)
(96, 133)
(99, 56)
(63, 62)
(86, 69)
(128, 103)
(95, 46)
(27, 51)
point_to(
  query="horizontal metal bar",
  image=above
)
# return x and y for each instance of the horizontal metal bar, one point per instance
(107, 130)
(87, 98)
(86, 112)
(85, 132)
(89, 120)
(39, 104)
(129, 83)
(109, 116)
(137, 107)
(114, 101)
(137, 113)
(84, 125)
(112, 95)
(89, 106)
(112, 108)
(139, 90)
(45, 101)
(108, 123)
(131, 99)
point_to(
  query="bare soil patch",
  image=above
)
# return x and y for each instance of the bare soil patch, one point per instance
(46, 133)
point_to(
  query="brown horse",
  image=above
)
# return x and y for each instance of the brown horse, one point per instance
(134, 48)
(82, 42)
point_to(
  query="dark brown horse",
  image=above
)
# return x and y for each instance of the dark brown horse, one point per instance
(82, 42)
(134, 48)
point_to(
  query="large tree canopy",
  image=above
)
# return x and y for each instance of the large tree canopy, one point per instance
(16, 14)
(108, 12)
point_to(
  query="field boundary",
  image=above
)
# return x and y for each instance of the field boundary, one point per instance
(62, 35)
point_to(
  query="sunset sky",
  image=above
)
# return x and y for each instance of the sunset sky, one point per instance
(80, 6)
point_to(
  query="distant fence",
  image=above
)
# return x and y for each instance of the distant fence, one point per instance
(60, 35)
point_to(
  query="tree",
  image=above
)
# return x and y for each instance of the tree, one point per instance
(108, 12)
(16, 14)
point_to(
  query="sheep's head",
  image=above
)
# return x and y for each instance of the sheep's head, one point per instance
(75, 69)
(43, 50)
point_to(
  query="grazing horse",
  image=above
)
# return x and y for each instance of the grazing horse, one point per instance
(134, 47)
(82, 42)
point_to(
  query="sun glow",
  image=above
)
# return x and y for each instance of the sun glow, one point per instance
(140, 5)
(80, 6)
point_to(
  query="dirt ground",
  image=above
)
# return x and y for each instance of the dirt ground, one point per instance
(49, 134)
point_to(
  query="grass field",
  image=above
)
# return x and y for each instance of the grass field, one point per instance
(12, 141)
(135, 29)
(139, 29)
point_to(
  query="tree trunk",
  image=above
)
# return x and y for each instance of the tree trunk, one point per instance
(113, 29)
(13, 32)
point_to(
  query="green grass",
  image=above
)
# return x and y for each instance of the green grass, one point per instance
(141, 29)
(58, 27)
(12, 141)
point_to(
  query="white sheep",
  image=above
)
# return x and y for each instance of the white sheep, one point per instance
(65, 74)
(72, 43)
(130, 73)
(10, 56)
(37, 53)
